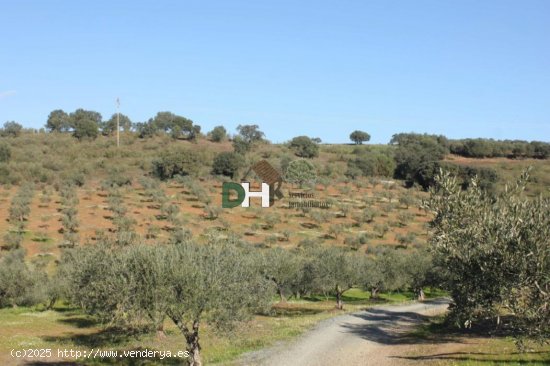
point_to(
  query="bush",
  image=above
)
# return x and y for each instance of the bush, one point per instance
(11, 129)
(228, 164)
(304, 147)
(416, 153)
(5, 152)
(177, 162)
(19, 284)
(371, 164)
(218, 134)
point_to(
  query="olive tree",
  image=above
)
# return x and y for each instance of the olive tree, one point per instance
(300, 172)
(19, 283)
(495, 253)
(337, 270)
(282, 267)
(219, 283)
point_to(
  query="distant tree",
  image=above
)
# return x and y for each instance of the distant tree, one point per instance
(300, 172)
(85, 124)
(58, 121)
(218, 134)
(11, 129)
(388, 272)
(146, 129)
(109, 126)
(338, 270)
(416, 154)
(304, 147)
(359, 137)
(227, 163)
(250, 133)
(194, 133)
(240, 146)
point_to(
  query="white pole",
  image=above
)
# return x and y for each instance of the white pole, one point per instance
(117, 122)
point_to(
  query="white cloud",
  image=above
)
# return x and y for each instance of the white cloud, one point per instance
(7, 93)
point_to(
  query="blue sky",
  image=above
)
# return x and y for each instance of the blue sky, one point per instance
(321, 68)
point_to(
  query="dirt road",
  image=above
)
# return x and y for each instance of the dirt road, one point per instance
(371, 337)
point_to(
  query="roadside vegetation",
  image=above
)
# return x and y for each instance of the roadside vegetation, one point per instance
(131, 242)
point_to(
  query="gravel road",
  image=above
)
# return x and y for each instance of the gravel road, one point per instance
(375, 336)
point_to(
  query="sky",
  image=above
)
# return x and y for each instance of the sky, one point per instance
(319, 68)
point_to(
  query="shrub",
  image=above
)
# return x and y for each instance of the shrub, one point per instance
(218, 134)
(227, 163)
(371, 164)
(11, 129)
(212, 212)
(19, 283)
(5, 152)
(304, 147)
(177, 162)
(381, 230)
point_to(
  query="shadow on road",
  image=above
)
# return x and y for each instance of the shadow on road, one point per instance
(387, 326)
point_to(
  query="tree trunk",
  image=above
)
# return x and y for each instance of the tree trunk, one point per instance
(339, 302)
(193, 346)
(51, 303)
(160, 330)
(281, 294)
(192, 338)
(421, 296)
(374, 293)
(195, 356)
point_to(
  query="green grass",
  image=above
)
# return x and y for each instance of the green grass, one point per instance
(472, 350)
(70, 328)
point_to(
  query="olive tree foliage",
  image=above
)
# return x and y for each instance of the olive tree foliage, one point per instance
(20, 284)
(358, 137)
(69, 220)
(218, 282)
(300, 172)
(283, 268)
(337, 271)
(393, 270)
(495, 251)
